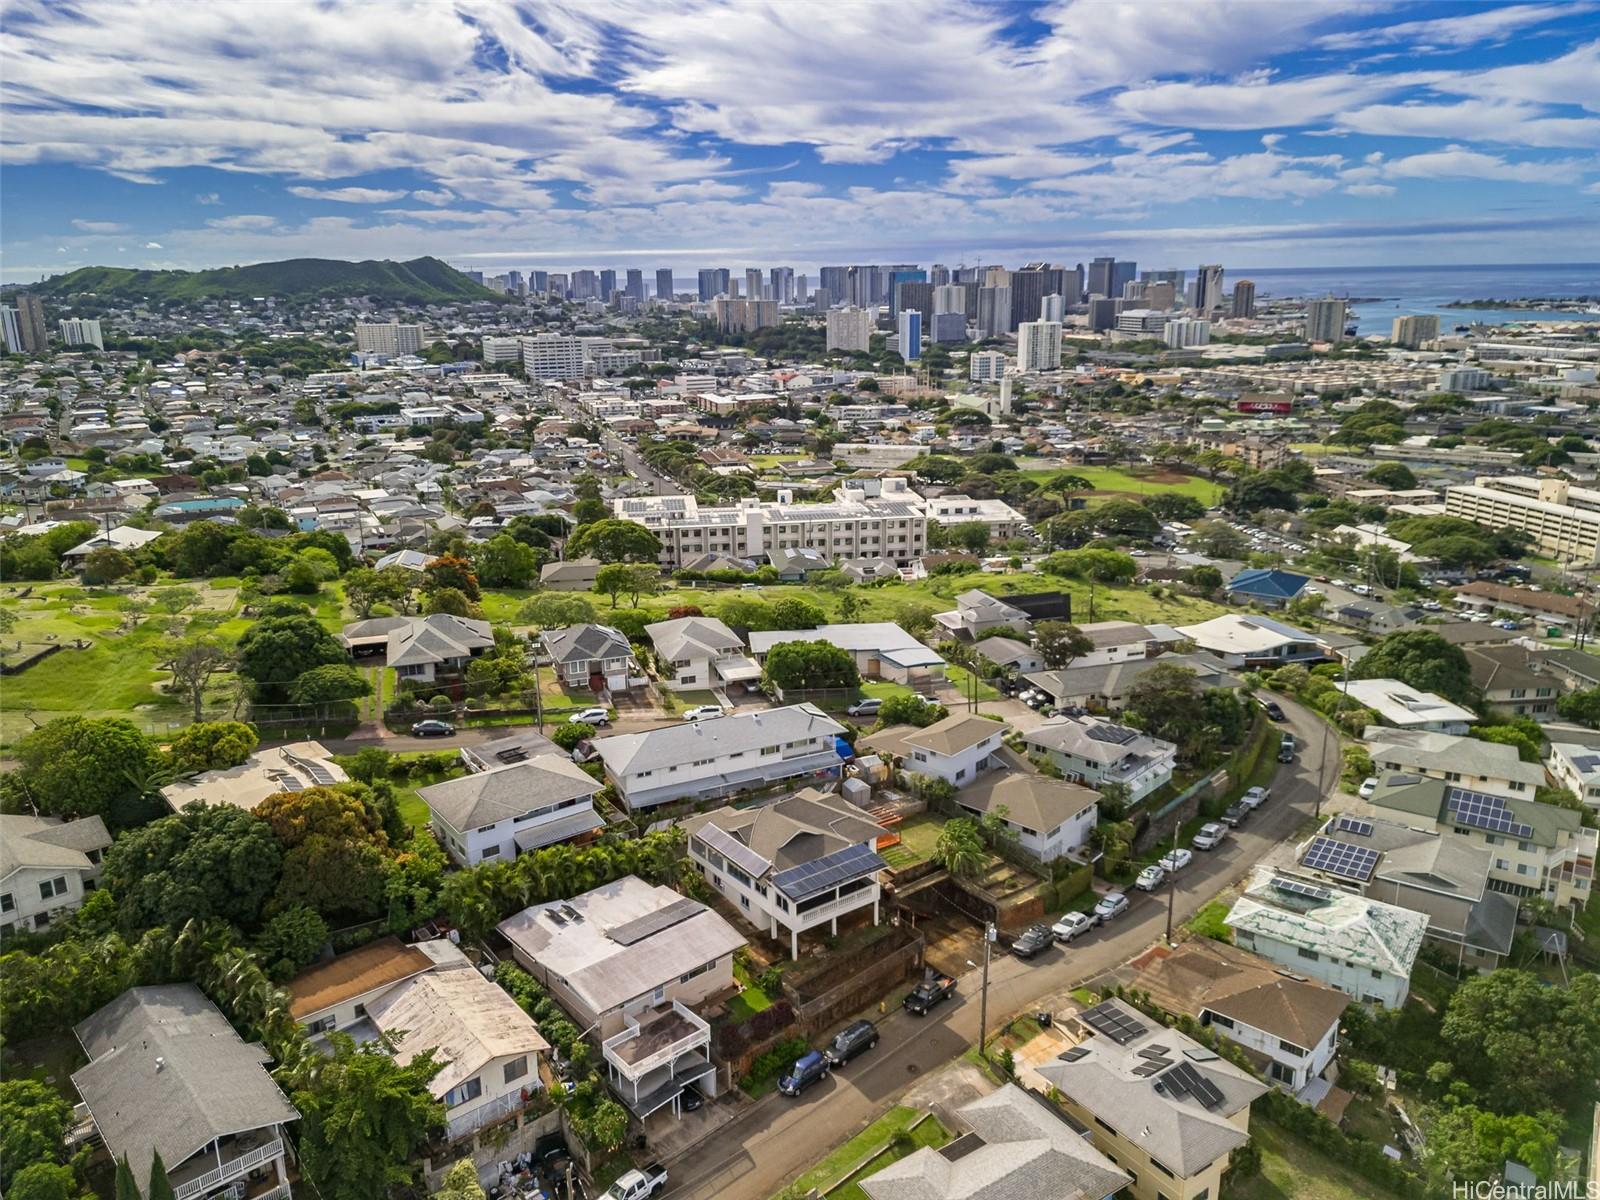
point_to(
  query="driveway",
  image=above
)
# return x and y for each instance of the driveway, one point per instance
(776, 1139)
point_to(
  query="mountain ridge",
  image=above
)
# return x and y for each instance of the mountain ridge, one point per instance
(418, 280)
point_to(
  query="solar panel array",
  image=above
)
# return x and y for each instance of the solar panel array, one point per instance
(1117, 735)
(651, 924)
(1075, 1054)
(1340, 858)
(1354, 825)
(820, 874)
(1481, 811)
(1295, 888)
(1109, 1021)
(1184, 1080)
(735, 851)
(1587, 762)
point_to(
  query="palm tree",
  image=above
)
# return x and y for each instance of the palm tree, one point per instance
(960, 847)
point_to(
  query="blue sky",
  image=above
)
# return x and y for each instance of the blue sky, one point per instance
(690, 133)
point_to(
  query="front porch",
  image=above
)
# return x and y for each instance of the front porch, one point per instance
(251, 1163)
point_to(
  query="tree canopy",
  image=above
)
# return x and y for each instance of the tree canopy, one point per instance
(78, 766)
(1520, 1043)
(806, 665)
(614, 540)
(277, 650)
(203, 862)
(1422, 660)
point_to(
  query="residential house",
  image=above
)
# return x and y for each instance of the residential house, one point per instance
(1538, 849)
(881, 649)
(291, 768)
(870, 570)
(1100, 752)
(1106, 688)
(497, 814)
(1050, 818)
(957, 749)
(1404, 707)
(1482, 766)
(1513, 682)
(573, 575)
(701, 760)
(1266, 586)
(1010, 1144)
(1013, 656)
(168, 1075)
(1116, 642)
(1550, 608)
(799, 863)
(420, 649)
(628, 961)
(977, 612)
(699, 653)
(794, 564)
(1287, 1024)
(1444, 878)
(1363, 947)
(334, 994)
(1578, 670)
(414, 561)
(1576, 767)
(47, 867)
(1158, 1104)
(125, 537)
(1254, 642)
(593, 656)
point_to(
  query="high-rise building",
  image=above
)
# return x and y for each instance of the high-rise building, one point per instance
(1029, 287)
(1039, 346)
(1099, 281)
(1208, 287)
(1160, 295)
(1171, 275)
(1244, 299)
(585, 285)
(538, 281)
(560, 286)
(1411, 332)
(938, 274)
(1072, 284)
(833, 281)
(501, 349)
(849, 329)
(1053, 308)
(914, 294)
(1186, 331)
(910, 330)
(515, 284)
(948, 328)
(753, 287)
(608, 283)
(635, 286)
(802, 289)
(713, 282)
(664, 289)
(1103, 313)
(10, 329)
(552, 356)
(994, 311)
(780, 285)
(388, 338)
(30, 324)
(1122, 273)
(986, 366)
(1325, 320)
(82, 331)
(743, 315)
(949, 298)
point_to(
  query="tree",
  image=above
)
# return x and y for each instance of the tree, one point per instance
(1126, 519)
(809, 665)
(1059, 643)
(614, 540)
(451, 571)
(365, 588)
(365, 1117)
(77, 766)
(107, 564)
(125, 1187)
(1218, 539)
(1528, 747)
(34, 1121)
(556, 610)
(335, 848)
(201, 863)
(791, 612)
(1267, 489)
(192, 662)
(277, 650)
(211, 746)
(612, 580)
(160, 1187)
(1174, 506)
(1582, 707)
(1520, 1043)
(8, 621)
(332, 684)
(291, 941)
(174, 600)
(452, 602)
(1167, 702)
(1205, 580)
(910, 710)
(505, 562)
(461, 1183)
(1467, 1143)
(1393, 475)
(971, 536)
(1421, 660)
(960, 848)
(47, 1181)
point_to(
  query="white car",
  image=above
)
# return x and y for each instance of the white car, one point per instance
(598, 717)
(1255, 797)
(1150, 878)
(1368, 786)
(1112, 904)
(1071, 925)
(703, 712)
(1211, 836)
(1174, 861)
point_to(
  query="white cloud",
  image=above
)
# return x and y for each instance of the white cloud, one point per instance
(207, 198)
(1369, 189)
(433, 197)
(243, 221)
(349, 195)
(1488, 25)
(152, 246)
(99, 226)
(1513, 123)
(1458, 162)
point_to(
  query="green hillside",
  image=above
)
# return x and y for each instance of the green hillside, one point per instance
(420, 281)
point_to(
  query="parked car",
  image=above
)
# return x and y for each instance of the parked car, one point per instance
(1150, 878)
(1273, 709)
(1212, 834)
(1255, 798)
(1235, 815)
(636, 1185)
(865, 708)
(934, 990)
(703, 712)
(811, 1067)
(432, 728)
(690, 1099)
(1112, 904)
(1174, 861)
(1286, 748)
(1368, 786)
(598, 717)
(855, 1038)
(1033, 940)
(1071, 925)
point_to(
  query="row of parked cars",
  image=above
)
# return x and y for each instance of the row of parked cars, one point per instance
(814, 1066)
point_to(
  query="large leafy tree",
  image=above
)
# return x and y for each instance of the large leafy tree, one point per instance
(1422, 660)
(556, 610)
(193, 662)
(365, 588)
(1468, 1143)
(1521, 1043)
(634, 579)
(45, 1181)
(331, 684)
(503, 561)
(34, 1121)
(1582, 707)
(807, 665)
(80, 766)
(335, 849)
(614, 540)
(1126, 519)
(277, 650)
(1059, 643)
(1267, 489)
(291, 941)
(451, 571)
(212, 746)
(202, 862)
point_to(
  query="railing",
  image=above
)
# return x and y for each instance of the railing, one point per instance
(484, 1114)
(701, 1036)
(848, 903)
(231, 1169)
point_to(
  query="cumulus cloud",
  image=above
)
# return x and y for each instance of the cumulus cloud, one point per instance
(99, 226)
(152, 246)
(349, 195)
(243, 221)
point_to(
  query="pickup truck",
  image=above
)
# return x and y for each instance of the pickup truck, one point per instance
(637, 1185)
(929, 992)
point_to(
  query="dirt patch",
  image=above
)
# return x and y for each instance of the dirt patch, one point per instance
(951, 942)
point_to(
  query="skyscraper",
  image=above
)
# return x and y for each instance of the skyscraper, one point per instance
(939, 275)
(753, 287)
(1053, 308)
(1029, 287)
(608, 283)
(1208, 287)
(1325, 320)
(1102, 313)
(1244, 298)
(713, 282)
(949, 297)
(664, 289)
(947, 328)
(585, 285)
(1072, 284)
(910, 328)
(560, 286)
(30, 324)
(1171, 275)
(538, 281)
(833, 281)
(1099, 281)
(914, 294)
(994, 311)
(1122, 273)
(780, 286)
(849, 329)
(1039, 346)
(1160, 296)
(1410, 332)
(81, 331)
(635, 288)
(10, 329)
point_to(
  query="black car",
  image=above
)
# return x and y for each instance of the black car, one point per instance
(1033, 940)
(432, 728)
(1235, 816)
(691, 1100)
(855, 1038)
(1273, 709)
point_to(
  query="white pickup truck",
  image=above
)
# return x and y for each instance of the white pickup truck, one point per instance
(637, 1185)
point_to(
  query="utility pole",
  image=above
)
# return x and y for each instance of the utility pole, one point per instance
(1322, 766)
(1172, 891)
(989, 934)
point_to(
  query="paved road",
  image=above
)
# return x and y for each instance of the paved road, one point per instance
(776, 1138)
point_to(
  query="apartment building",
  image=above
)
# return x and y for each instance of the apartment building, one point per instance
(1563, 520)
(553, 356)
(388, 338)
(850, 329)
(1003, 520)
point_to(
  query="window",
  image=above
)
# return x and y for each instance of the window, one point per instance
(321, 1025)
(470, 1090)
(7, 904)
(490, 852)
(51, 888)
(1291, 1048)
(361, 1010)
(1377, 974)
(1219, 1019)
(1158, 1165)
(1310, 955)
(516, 1069)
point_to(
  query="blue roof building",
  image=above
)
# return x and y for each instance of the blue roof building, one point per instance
(1267, 586)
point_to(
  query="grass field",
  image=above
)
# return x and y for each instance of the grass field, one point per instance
(876, 1145)
(917, 838)
(1133, 482)
(1292, 1170)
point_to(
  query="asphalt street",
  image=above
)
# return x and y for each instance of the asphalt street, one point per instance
(776, 1138)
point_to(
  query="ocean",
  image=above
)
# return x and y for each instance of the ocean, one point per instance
(1408, 291)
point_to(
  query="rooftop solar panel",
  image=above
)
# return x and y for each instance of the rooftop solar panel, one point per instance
(1117, 735)
(1184, 1080)
(1480, 811)
(1295, 888)
(1108, 1020)
(1075, 1054)
(735, 851)
(1340, 858)
(630, 932)
(1354, 825)
(830, 870)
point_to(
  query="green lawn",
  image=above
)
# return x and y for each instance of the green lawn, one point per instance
(875, 1144)
(750, 1001)
(1208, 922)
(917, 837)
(1292, 1170)
(1137, 481)
(962, 678)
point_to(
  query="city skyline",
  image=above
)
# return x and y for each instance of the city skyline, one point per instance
(738, 135)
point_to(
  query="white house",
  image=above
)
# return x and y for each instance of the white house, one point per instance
(1404, 707)
(957, 749)
(700, 652)
(587, 655)
(977, 611)
(800, 863)
(1115, 642)
(1482, 766)
(1050, 818)
(291, 768)
(1011, 654)
(420, 649)
(495, 815)
(1363, 947)
(1254, 641)
(1577, 768)
(47, 867)
(881, 649)
(1099, 752)
(699, 760)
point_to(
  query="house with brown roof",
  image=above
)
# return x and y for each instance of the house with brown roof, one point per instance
(1050, 818)
(957, 749)
(1557, 609)
(1287, 1023)
(335, 993)
(1512, 682)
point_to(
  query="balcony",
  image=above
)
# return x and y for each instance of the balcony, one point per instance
(251, 1152)
(654, 1038)
(498, 1109)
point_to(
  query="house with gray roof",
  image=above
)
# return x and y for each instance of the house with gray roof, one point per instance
(881, 649)
(1013, 655)
(497, 814)
(1363, 947)
(700, 652)
(957, 749)
(1513, 681)
(722, 757)
(1577, 768)
(1095, 751)
(1050, 818)
(593, 656)
(420, 649)
(1105, 687)
(1010, 1146)
(570, 575)
(800, 862)
(977, 611)
(1482, 766)
(47, 867)
(795, 563)
(168, 1075)
(1162, 1106)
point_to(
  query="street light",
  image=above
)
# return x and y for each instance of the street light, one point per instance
(990, 933)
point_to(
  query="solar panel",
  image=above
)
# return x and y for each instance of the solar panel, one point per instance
(1184, 1080)
(1587, 762)
(1480, 811)
(515, 754)
(1117, 735)
(1110, 1021)
(650, 924)
(1340, 858)
(735, 851)
(818, 875)
(1075, 1054)
(1150, 1068)
(1295, 888)
(1354, 825)
(1154, 1051)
